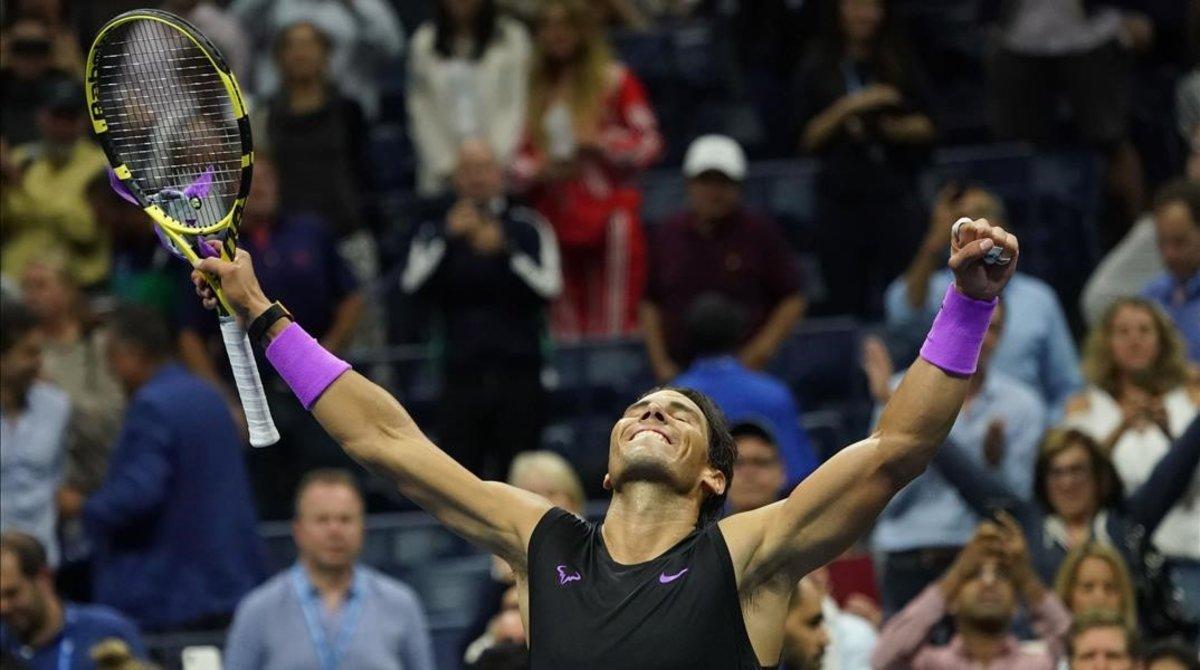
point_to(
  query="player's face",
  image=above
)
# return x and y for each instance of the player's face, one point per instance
(988, 598)
(329, 526)
(557, 35)
(713, 196)
(1134, 339)
(22, 604)
(861, 19)
(804, 634)
(1178, 240)
(757, 475)
(1095, 587)
(1071, 483)
(662, 437)
(1101, 649)
(20, 365)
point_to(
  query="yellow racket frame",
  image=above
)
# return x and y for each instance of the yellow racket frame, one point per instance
(176, 230)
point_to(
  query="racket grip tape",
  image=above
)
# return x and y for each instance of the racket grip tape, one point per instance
(245, 374)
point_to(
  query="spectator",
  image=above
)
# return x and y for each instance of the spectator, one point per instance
(1124, 270)
(173, 523)
(715, 327)
(861, 110)
(1051, 51)
(998, 429)
(1079, 498)
(296, 256)
(1171, 655)
(38, 626)
(317, 135)
(1037, 348)
(551, 476)
(218, 25)
(34, 419)
(57, 17)
(468, 73)
(758, 472)
(980, 591)
(717, 245)
(328, 610)
(1103, 641)
(45, 208)
(1177, 222)
(490, 268)
(1094, 577)
(143, 272)
(1137, 402)
(805, 631)
(366, 35)
(852, 631)
(73, 358)
(589, 131)
(28, 74)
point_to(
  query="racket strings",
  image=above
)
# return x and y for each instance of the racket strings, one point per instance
(170, 119)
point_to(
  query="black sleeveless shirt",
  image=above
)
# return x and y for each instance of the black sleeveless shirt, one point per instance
(677, 611)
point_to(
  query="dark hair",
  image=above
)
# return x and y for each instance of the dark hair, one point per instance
(142, 328)
(1174, 649)
(482, 31)
(28, 550)
(282, 35)
(1184, 191)
(722, 449)
(328, 477)
(16, 321)
(714, 325)
(889, 57)
(753, 429)
(1109, 491)
(1102, 619)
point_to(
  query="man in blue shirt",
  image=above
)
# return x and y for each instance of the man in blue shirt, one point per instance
(34, 418)
(173, 523)
(1177, 224)
(1001, 426)
(1037, 349)
(37, 627)
(714, 331)
(328, 611)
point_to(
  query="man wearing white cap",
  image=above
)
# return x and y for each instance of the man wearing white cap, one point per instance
(718, 246)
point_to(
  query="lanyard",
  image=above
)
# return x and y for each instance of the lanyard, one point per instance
(65, 651)
(329, 654)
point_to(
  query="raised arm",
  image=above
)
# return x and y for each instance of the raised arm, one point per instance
(372, 427)
(838, 503)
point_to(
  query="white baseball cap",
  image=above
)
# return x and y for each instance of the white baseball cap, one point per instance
(715, 153)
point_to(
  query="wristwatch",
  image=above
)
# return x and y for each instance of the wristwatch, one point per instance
(263, 322)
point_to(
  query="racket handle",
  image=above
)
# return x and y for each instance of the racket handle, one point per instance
(245, 374)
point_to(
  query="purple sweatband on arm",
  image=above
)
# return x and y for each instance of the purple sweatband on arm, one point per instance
(954, 341)
(304, 364)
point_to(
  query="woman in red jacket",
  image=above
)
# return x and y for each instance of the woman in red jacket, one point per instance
(590, 131)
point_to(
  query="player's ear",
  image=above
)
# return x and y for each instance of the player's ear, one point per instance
(713, 480)
(607, 483)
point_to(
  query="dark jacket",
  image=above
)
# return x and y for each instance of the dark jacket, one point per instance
(174, 523)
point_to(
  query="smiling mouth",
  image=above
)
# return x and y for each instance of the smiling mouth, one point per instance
(653, 433)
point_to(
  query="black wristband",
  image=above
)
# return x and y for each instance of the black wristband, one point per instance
(260, 325)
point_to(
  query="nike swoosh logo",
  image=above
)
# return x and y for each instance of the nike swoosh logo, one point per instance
(664, 578)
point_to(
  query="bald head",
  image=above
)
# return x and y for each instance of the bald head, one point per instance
(477, 175)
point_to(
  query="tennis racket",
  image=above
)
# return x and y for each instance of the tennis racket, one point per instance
(169, 114)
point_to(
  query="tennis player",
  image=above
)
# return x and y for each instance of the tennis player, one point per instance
(663, 582)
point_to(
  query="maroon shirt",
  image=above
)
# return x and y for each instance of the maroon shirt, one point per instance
(744, 258)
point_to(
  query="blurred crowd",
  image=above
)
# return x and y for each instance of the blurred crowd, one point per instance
(468, 177)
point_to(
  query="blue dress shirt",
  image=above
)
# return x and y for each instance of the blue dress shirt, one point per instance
(746, 395)
(33, 447)
(1182, 302)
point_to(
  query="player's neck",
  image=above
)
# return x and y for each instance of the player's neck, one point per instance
(644, 520)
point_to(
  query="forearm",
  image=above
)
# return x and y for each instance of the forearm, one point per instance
(907, 631)
(909, 129)
(656, 343)
(349, 312)
(918, 417)
(822, 127)
(759, 350)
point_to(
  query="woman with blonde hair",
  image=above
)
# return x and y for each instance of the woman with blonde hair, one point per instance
(589, 132)
(1095, 577)
(1138, 400)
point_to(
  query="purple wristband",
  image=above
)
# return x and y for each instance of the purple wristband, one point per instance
(304, 364)
(954, 341)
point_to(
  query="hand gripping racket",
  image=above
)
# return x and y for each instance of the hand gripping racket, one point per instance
(169, 114)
